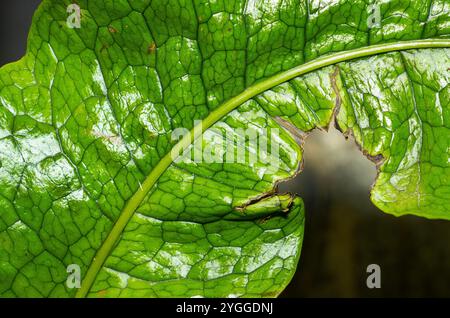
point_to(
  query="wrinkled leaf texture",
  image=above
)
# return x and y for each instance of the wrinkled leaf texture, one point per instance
(85, 131)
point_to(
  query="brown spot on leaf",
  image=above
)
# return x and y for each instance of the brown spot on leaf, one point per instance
(151, 48)
(377, 159)
(271, 294)
(112, 29)
(102, 293)
(265, 219)
(333, 79)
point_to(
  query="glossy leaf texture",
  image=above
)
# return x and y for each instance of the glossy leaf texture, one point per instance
(86, 120)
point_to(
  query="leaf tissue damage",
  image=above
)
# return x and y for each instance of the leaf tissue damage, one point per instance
(94, 175)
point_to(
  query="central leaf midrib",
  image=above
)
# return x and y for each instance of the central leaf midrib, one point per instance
(217, 114)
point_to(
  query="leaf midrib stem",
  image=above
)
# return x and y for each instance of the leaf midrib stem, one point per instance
(217, 114)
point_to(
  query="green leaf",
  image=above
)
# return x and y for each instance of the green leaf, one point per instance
(87, 172)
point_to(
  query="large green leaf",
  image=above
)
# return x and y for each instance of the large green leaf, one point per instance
(86, 118)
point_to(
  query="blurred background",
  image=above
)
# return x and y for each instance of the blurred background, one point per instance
(344, 231)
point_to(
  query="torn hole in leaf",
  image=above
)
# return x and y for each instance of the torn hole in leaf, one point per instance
(333, 162)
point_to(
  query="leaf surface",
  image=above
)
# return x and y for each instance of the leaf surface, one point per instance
(86, 119)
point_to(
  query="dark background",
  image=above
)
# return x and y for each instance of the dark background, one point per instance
(344, 231)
